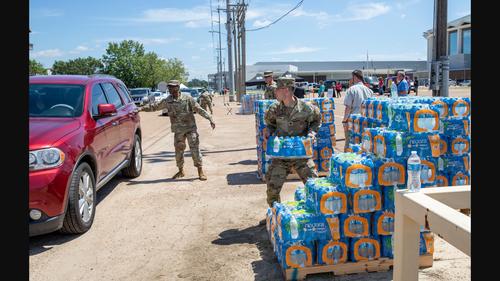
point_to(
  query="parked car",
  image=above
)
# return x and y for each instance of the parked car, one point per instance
(464, 83)
(83, 130)
(452, 82)
(372, 83)
(159, 96)
(193, 92)
(302, 84)
(142, 96)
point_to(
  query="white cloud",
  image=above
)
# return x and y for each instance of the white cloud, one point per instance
(361, 12)
(145, 41)
(261, 23)
(353, 12)
(198, 16)
(79, 49)
(463, 13)
(50, 12)
(401, 4)
(253, 14)
(50, 53)
(297, 50)
(403, 16)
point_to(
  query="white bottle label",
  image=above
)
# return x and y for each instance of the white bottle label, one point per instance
(399, 145)
(293, 227)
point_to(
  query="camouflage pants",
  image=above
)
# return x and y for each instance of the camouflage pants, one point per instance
(279, 170)
(204, 105)
(347, 137)
(194, 145)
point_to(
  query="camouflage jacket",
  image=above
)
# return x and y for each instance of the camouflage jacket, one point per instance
(181, 112)
(205, 98)
(300, 120)
(269, 92)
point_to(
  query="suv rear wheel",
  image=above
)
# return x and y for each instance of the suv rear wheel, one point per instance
(134, 168)
(81, 201)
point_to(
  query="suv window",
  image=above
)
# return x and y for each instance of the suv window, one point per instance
(112, 95)
(98, 97)
(124, 92)
(55, 100)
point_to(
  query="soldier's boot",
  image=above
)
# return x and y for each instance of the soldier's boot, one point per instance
(179, 174)
(201, 175)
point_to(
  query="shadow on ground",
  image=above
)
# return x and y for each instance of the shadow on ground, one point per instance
(45, 242)
(164, 180)
(162, 156)
(265, 269)
(245, 162)
(243, 178)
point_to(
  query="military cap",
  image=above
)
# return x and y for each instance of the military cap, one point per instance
(173, 83)
(268, 73)
(285, 82)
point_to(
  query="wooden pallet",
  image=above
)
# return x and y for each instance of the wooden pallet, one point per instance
(379, 265)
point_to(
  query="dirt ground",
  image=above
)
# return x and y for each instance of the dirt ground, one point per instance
(155, 228)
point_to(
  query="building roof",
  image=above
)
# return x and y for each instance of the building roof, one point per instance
(330, 66)
(454, 23)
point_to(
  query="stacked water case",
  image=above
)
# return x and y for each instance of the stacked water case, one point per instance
(325, 139)
(263, 160)
(291, 147)
(349, 215)
(248, 103)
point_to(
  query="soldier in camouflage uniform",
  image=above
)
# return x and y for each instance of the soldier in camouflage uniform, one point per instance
(270, 86)
(289, 117)
(180, 110)
(206, 101)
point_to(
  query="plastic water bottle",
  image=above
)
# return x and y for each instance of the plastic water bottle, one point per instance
(276, 147)
(399, 144)
(414, 166)
(336, 253)
(287, 147)
(294, 231)
(394, 90)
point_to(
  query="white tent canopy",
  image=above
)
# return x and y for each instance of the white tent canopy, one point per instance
(182, 86)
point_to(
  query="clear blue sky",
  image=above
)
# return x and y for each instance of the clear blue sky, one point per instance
(318, 30)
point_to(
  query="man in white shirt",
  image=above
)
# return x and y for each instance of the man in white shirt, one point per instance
(355, 95)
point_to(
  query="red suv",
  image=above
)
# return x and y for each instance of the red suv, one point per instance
(83, 131)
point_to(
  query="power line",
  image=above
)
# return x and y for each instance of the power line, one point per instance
(294, 8)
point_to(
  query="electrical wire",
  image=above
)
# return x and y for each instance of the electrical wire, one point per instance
(294, 8)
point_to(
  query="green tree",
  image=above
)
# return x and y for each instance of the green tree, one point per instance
(152, 70)
(124, 61)
(128, 61)
(175, 70)
(36, 68)
(197, 83)
(81, 66)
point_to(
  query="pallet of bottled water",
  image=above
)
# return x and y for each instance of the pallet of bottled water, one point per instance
(248, 103)
(337, 225)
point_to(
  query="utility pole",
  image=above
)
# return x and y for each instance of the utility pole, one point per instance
(243, 46)
(241, 50)
(220, 56)
(440, 61)
(236, 57)
(229, 54)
